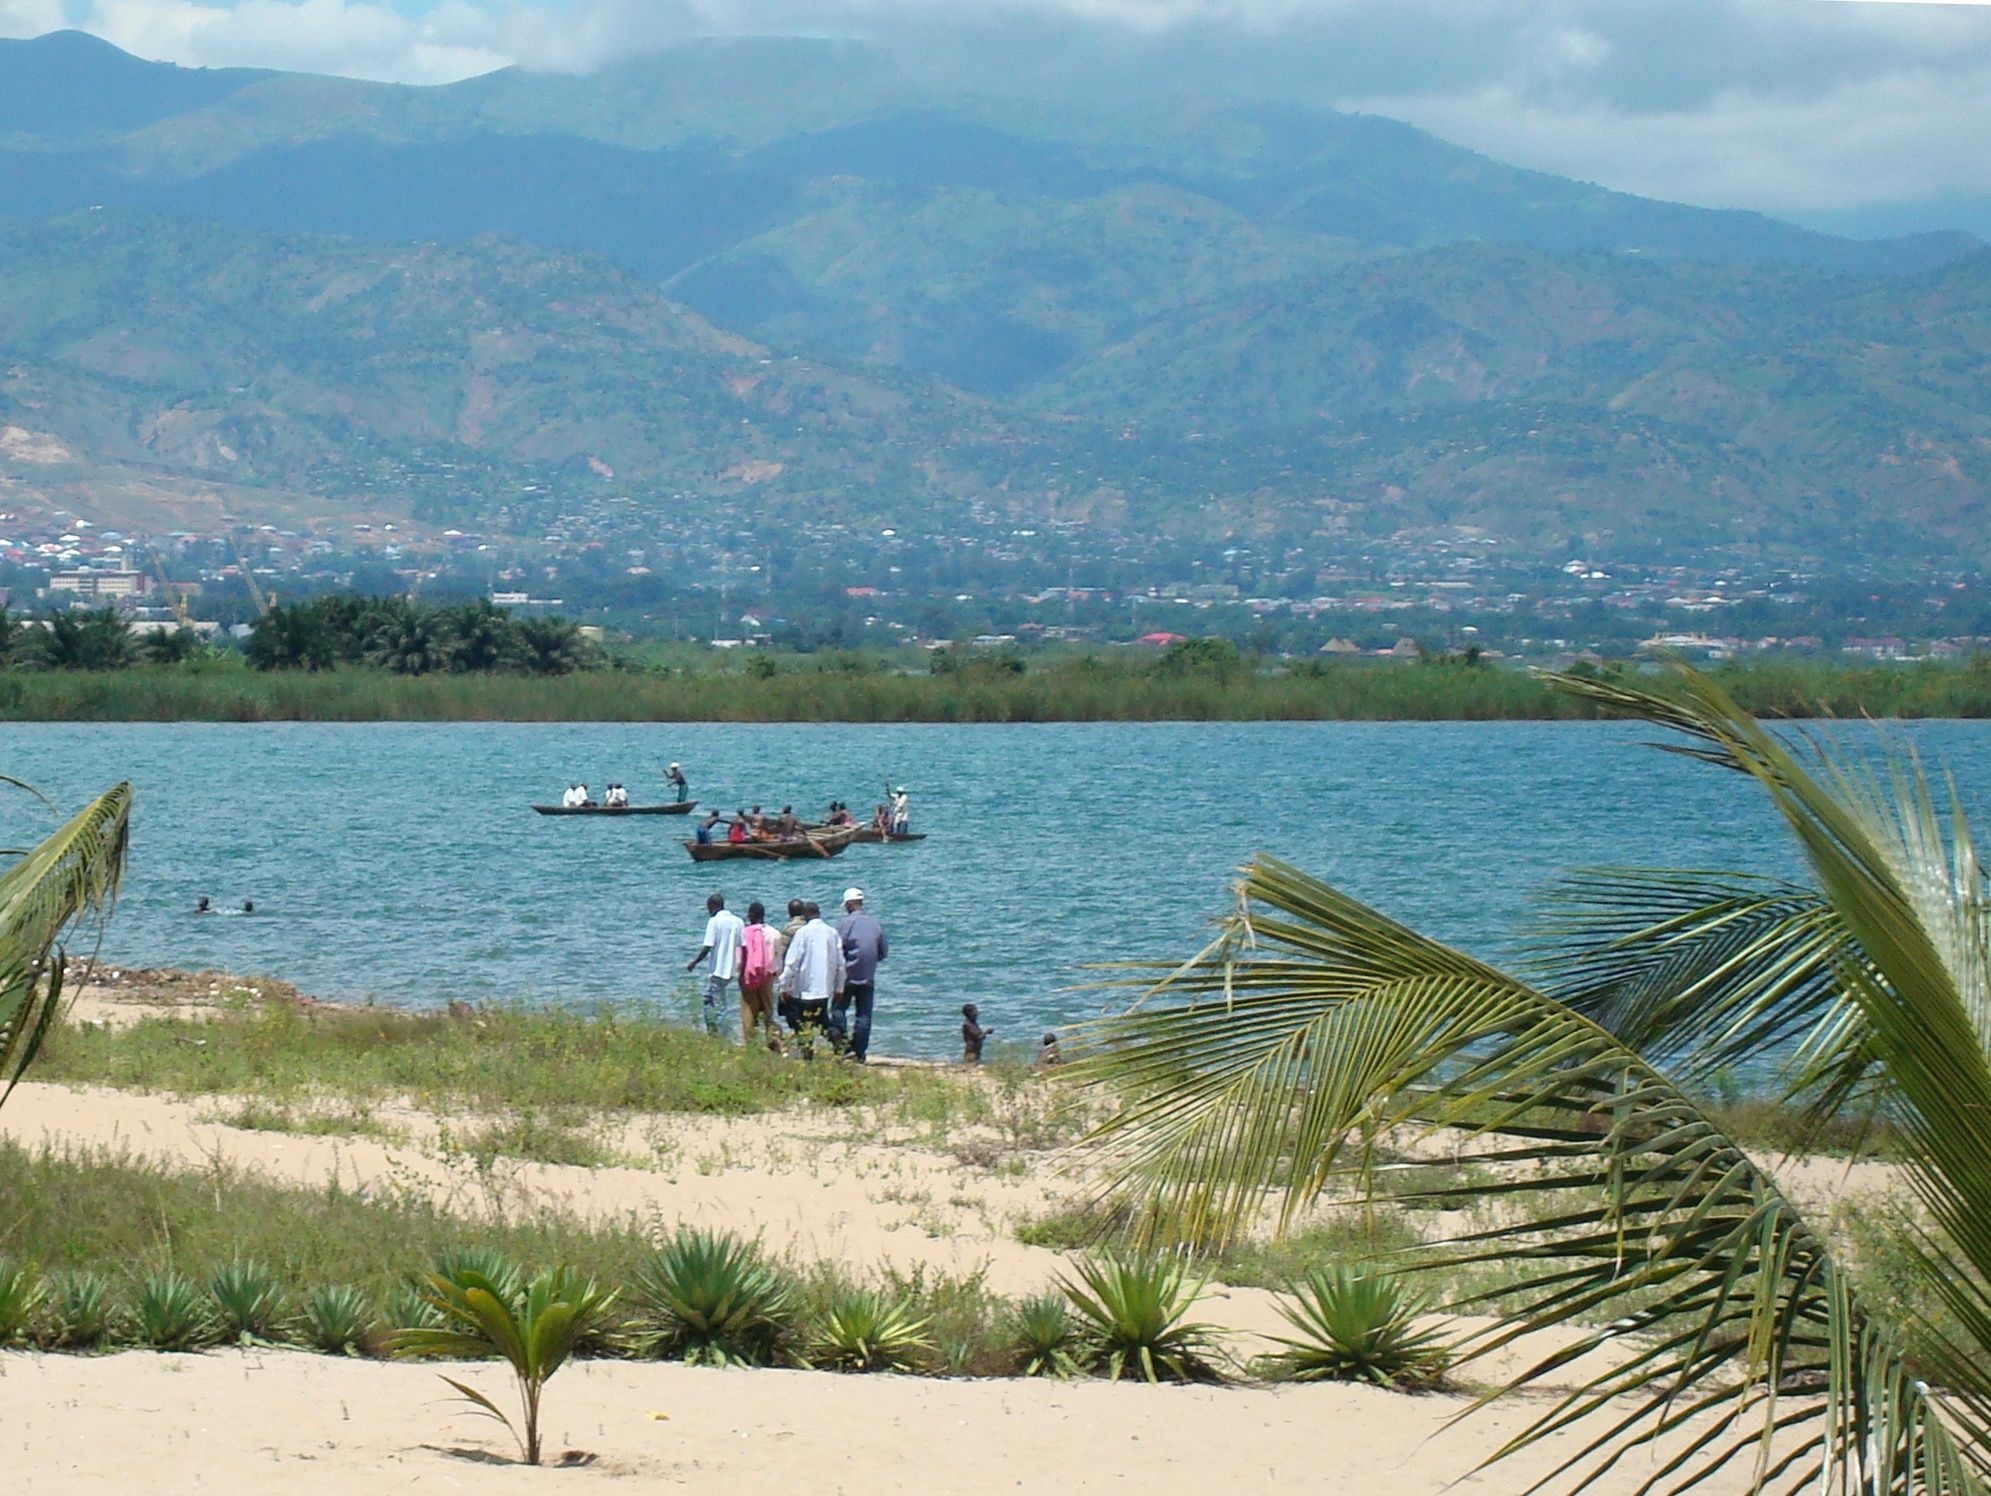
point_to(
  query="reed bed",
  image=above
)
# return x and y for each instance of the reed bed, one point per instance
(1086, 689)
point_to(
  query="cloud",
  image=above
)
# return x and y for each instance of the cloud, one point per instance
(1784, 105)
(30, 17)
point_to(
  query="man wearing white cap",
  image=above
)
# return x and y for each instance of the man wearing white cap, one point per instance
(864, 947)
(680, 786)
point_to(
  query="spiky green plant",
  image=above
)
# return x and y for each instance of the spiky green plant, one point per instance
(864, 1330)
(22, 1294)
(536, 1332)
(1041, 1339)
(1635, 1226)
(249, 1301)
(169, 1313)
(336, 1318)
(485, 1265)
(408, 1308)
(1356, 1326)
(45, 893)
(710, 1298)
(79, 1310)
(1133, 1310)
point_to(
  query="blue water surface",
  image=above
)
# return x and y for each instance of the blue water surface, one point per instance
(399, 862)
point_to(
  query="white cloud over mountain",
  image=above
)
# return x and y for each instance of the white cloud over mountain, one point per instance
(1784, 105)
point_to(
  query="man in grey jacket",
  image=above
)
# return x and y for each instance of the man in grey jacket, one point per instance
(864, 947)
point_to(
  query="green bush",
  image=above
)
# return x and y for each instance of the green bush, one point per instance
(336, 1318)
(1133, 1310)
(865, 1330)
(710, 1299)
(1041, 1339)
(169, 1313)
(249, 1301)
(22, 1294)
(79, 1311)
(1354, 1326)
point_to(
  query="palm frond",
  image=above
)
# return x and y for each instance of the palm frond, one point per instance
(1709, 972)
(71, 876)
(1316, 1024)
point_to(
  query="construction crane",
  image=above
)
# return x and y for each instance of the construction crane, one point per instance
(178, 595)
(257, 599)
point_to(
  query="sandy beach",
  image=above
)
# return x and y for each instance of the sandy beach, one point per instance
(808, 1184)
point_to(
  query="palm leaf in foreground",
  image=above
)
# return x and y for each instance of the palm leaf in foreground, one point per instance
(1634, 1225)
(49, 889)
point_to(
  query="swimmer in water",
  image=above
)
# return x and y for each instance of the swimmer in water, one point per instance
(203, 905)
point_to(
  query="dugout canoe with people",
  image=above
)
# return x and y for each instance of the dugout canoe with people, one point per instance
(826, 842)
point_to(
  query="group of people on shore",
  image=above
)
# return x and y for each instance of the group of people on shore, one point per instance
(818, 979)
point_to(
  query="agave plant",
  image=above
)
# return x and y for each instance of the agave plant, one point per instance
(864, 1330)
(1133, 1309)
(169, 1313)
(249, 1302)
(45, 893)
(711, 1299)
(1355, 1326)
(79, 1310)
(536, 1332)
(1041, 1339)
(484, 1265)
(1633, 1223)
(337, 1319)
(22, 1294)
(408, 1308)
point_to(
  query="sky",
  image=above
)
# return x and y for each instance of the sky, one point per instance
(1825, 110)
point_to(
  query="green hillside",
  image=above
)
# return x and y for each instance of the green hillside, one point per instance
(782, 276)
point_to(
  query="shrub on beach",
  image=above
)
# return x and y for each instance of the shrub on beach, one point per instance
(1041, 1339)
(337, 1318)
(170, 1313)
(709, 1298)
(21, 1295)
(863, 1329)
(1355, 1326)
(1133, 1312)
(79, 1313)
(249, 1300)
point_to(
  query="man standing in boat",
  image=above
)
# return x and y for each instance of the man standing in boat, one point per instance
(723, 933)
(864, 946)
(902, 812)
(679, 785)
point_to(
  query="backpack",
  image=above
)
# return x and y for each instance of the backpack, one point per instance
(756, 966)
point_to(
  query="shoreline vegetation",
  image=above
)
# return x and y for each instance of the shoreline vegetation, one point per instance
(1180, 684)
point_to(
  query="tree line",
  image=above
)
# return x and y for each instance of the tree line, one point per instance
(396, 634)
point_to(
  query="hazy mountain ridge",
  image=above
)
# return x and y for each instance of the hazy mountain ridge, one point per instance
(1182, 314)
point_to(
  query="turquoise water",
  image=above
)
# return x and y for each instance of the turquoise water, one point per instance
(400, 863)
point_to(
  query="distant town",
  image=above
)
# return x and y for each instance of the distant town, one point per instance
(720, 580)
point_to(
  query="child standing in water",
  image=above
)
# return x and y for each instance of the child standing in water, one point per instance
(972, 1035)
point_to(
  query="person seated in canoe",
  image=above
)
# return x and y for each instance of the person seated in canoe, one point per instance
(787, 828)
(616, 796)
(737, 832)
(707, 828)
(839, 813)
(568, 799)
(585, 800)
(680, 787)
(757, 824)
(881, 820)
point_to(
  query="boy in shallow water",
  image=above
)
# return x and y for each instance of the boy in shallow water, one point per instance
(972, 1035)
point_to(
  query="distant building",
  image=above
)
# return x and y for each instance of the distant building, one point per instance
(1341, 647)
(98, 584)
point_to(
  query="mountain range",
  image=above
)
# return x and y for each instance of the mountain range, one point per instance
(780, 273)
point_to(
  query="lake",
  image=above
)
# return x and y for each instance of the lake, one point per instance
(399, 862)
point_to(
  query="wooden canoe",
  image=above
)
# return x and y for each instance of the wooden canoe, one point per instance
(872, 834)
(810, 844)
(681, 807)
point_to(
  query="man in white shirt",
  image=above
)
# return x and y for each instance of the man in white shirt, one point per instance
(902, 811)
(572, 797)
(812, 973)
(722, 948)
